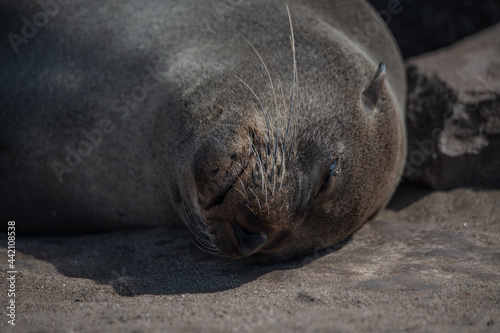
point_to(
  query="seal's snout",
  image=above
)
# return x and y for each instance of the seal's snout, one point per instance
(217, 167)
(223, 173)
(249, 243)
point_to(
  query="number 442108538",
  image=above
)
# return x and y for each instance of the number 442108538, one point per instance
(11, 237)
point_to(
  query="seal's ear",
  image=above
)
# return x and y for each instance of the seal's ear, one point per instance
(371, 94)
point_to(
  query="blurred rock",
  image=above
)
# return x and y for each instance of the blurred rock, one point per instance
(425, 25)
(454, 114)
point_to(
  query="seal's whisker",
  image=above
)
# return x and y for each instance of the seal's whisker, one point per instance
(276, 139)
(282, 168)
(293, 134)
(206, 244)
(204, 240)
(215, 253)
(283, 165)
(283, 100)
(275, 155)
(250, 209)
(267, 71)
(274, 178)
(266, 193)
(276, 109)
(294, 80)
(198, 237)
(261, 168)
(282, 171)
(243, 186)
(264, 182)
(200, 227)
(263, 111)
(246, 172)
(243, 194)
(274, 97)
(259, 164)
(256, 197)
(278, 167)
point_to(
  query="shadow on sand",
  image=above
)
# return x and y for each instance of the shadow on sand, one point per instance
(148, 261)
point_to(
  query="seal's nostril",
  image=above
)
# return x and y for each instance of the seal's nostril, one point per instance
(214, 173)
(249, 243)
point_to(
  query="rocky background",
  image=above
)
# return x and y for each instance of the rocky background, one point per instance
(430, 262)
(453, 115)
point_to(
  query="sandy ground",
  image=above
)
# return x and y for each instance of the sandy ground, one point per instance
(430, 262)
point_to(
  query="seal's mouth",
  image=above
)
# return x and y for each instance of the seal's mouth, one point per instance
(224, 189)
(230, 220)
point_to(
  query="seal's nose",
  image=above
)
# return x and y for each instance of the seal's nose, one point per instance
(249, 243)
(218, 162)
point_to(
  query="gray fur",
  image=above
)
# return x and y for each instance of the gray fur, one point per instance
(218, 75)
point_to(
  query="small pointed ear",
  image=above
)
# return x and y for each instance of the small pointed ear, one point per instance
(371, 94)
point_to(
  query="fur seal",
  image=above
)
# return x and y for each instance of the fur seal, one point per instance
(270, 132)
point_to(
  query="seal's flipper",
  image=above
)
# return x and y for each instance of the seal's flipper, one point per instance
(371, 94)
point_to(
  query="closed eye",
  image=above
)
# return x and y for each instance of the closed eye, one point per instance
(332, 171)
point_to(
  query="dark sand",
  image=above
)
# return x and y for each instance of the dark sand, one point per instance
(430, 262)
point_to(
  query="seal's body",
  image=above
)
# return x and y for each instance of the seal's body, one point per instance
(270, 133)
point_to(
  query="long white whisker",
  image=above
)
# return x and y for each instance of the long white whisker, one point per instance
(282, 169)
(204, 240)
(264, 112)
(250, 209)
(292, 40)
(259, 164)
(256, 197)
(276, 108)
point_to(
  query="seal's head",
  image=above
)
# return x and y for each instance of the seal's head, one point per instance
(275, 177)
